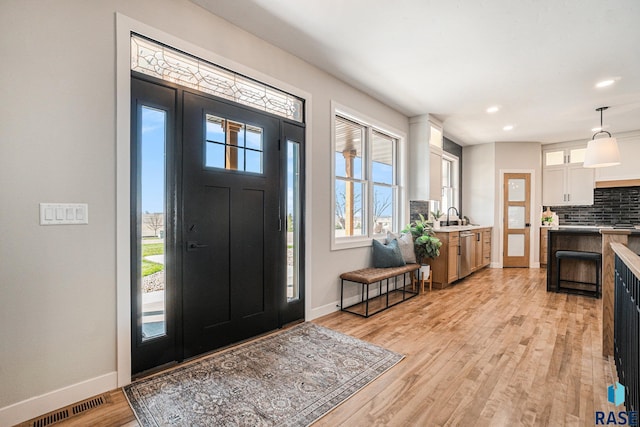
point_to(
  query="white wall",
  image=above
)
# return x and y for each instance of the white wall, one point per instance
(478, 177)
(57, 144)
(481, 197)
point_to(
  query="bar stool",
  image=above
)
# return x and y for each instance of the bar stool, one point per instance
(586, 256)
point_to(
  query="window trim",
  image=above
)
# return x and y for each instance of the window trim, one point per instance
(339, 243)
(455, 175)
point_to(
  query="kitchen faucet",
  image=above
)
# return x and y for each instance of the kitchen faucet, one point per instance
(448, 210)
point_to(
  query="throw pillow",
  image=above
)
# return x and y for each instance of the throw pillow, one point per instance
(405, 242)
(387, 255)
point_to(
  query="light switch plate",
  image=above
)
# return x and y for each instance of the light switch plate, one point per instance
(64, 213)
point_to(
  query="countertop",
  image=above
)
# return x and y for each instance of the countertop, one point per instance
(593, 229)
(456, 228)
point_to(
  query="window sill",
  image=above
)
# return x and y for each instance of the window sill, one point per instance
(341, 243)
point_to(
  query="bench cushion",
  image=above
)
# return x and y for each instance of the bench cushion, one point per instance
(372, 275)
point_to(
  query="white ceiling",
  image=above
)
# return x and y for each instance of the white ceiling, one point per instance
(538, 59)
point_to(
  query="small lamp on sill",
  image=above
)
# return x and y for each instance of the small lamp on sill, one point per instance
(602, 152)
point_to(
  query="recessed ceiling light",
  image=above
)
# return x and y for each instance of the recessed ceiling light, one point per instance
(605, 83)
(493, 109)
(507, 127)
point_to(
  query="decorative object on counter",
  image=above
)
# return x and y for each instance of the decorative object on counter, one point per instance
(436, 215)
(602, 152)
(547, 217)
(425, 242)
(468, 221)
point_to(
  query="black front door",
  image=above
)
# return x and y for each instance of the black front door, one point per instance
(217, 236)
(232, 240)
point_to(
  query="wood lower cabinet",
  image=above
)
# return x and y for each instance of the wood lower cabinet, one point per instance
(477, 250)
(544, 244)
(486, 247)
(482, 247)
(445, 267)
(453, 251)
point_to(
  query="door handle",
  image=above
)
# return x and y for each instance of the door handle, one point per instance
(527, 225)
(194, 246)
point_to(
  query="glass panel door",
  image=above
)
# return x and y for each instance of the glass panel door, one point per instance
(516, 219)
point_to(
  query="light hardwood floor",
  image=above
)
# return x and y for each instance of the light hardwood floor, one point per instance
(495, 349)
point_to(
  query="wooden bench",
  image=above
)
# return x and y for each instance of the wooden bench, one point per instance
(394, 293)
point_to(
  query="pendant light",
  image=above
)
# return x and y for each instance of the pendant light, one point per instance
(602, 152)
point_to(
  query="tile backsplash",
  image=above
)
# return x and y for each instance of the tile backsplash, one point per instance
(611, 206)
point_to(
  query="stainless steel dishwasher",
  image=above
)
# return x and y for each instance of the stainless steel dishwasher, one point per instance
(466, 253)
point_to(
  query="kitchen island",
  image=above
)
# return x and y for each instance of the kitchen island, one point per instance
(587, 239)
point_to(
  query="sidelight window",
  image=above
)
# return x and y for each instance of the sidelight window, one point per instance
(151, 233)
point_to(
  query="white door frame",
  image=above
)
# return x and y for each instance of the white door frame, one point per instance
(533, 213)
(124, 27)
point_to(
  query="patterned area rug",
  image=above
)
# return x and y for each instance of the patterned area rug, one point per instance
(290, 378)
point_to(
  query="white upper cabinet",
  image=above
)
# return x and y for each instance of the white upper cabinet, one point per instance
(564, 180)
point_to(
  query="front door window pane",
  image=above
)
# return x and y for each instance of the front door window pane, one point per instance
(152, 232)
(232, 145)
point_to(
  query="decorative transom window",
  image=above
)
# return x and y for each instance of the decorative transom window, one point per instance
(365, 181)
(157, 60)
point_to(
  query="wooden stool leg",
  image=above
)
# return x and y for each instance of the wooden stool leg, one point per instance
(422, 283)
(430, 280)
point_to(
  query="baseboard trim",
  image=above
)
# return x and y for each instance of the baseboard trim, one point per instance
(324, 310)
(39, 405)
(335, 306)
